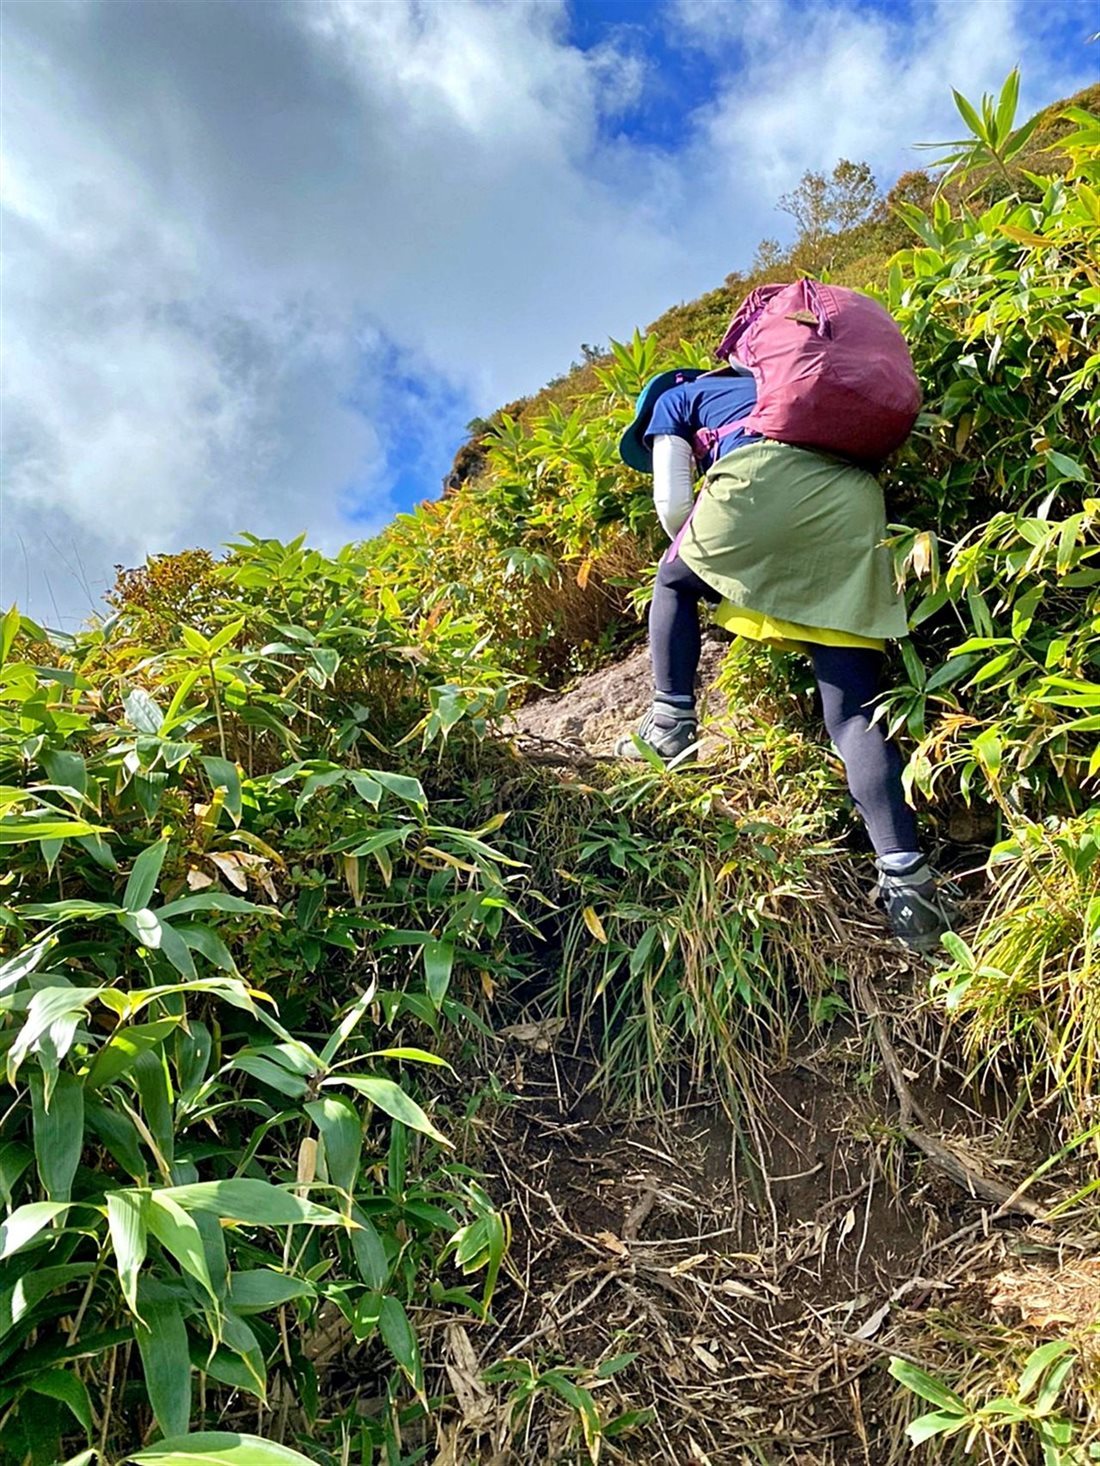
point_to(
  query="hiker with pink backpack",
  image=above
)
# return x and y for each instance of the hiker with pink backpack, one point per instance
(785, 538)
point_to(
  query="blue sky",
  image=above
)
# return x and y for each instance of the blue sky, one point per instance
(264, 262)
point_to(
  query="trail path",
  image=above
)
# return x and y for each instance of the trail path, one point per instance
(741, 1272)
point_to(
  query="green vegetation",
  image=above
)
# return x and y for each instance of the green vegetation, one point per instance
(273, 881)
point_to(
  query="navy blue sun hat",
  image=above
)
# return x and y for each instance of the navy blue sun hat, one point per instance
(633, 448)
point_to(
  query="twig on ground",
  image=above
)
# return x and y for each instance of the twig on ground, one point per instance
(942, 1155)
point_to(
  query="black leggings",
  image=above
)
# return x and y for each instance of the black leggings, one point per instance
(847, 678)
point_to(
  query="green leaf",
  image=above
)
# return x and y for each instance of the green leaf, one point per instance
(25, 1223)
(118, 1135)
(258, 1289)
(53, 1015)
(926, 1386)
(208, 944)
(14, 1160)
(60, 1384)
(255, 1202)
(9, 630)
(154, 1088)
(144, 877)
(292, 1085)
(341, 1129)
(176, 950)
(1020, 138)
(242, 1340)
(327, 661)
(1051, 1391)
(126, 1045)
(166, 1361)
(16, 829)
(410, 1055)
(369, 1251)
(142, 711)
(58, 1132)
(969, 116)
(22, 963)
(368, 789)
(225, 775)
(219, 1448)
(209, 901)
(988, 750)
(228, 633)
(1006, 106)
(326, 779)
(126, 1222)
(1066, 467)
(347, 1025)
(582, 1402)
(144, 926)
(400, 1340)
(960, 952)
(1037, 1363)
(410, 790)
(195, 641)
(65, 768)
(393, 1100)
(438, 962)
(938, 1422)
(609, 1367)
(179, 1235)
(36, 1284)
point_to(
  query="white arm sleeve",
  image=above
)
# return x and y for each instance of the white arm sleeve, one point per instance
(673, 472)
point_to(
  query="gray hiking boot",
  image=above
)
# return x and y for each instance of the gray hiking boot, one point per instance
(918, 909)
(667, 729)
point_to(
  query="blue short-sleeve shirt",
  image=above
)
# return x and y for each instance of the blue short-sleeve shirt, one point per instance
(708, 402)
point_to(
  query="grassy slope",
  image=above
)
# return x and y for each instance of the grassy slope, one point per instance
(702, 936)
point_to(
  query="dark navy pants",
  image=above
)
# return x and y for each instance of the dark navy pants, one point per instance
(848, 679)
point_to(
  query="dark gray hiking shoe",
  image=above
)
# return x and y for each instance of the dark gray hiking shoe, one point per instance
(667, 729)
(918, 910)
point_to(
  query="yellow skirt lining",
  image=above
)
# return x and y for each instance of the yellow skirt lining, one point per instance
(787, 635)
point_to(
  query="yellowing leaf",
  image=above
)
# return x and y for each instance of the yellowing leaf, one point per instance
(923, 555)
(594, 924)
(1025, 236)
(307, 1161)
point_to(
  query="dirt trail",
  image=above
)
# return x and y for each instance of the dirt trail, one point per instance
(589, 717)
(750, 1310)
(730, 1289)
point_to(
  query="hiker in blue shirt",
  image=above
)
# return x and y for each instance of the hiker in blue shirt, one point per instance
(800, 527)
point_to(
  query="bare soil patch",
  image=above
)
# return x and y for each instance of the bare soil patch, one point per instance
(589, 717)
(745, 1300)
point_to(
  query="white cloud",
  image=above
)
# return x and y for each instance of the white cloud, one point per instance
(261, 259)
(817, 80)
(224, 221)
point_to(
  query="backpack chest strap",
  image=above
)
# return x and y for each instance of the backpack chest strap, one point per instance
(705, 440)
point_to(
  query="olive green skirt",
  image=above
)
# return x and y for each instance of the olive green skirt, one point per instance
(796, 535)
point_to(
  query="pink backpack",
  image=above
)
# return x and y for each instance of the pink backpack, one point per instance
(832, 369)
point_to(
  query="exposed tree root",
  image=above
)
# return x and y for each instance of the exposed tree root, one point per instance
(950, 1163)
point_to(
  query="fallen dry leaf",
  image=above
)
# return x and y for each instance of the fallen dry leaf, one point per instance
(613, 1244)
(870, 1326)
(461, 1364)
(706, 1358)
(686, 1265)
(540, 1036)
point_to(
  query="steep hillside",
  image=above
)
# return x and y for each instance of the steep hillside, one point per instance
(395, 1077)
(858, 256)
